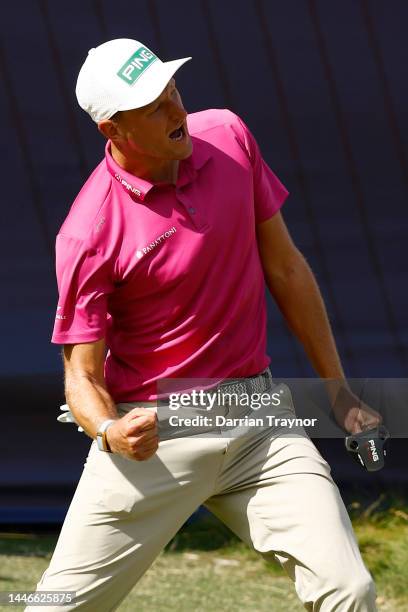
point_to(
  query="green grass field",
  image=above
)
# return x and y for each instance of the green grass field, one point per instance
(205, 567)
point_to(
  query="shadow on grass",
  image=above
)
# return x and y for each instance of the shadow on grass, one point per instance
(205, 532)
(27, 544)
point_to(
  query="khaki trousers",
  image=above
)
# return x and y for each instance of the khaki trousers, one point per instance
(272, 488)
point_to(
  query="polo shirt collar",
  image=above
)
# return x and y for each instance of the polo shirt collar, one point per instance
(139, 188)
(200, 155)
(134, 185)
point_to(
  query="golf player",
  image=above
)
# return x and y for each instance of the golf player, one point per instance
(162, 264)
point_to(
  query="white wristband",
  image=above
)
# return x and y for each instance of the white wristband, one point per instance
(101, 436)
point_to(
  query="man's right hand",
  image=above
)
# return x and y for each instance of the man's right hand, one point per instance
(134, 435)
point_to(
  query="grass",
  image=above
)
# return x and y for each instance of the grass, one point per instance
(205, 567)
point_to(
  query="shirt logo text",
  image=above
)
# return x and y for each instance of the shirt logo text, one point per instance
(152, 245)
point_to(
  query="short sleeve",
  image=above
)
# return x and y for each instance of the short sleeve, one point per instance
(269, 193)
(84, 283)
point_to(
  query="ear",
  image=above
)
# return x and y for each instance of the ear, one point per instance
(109, 129)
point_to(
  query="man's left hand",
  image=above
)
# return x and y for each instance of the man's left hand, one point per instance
(352, 414)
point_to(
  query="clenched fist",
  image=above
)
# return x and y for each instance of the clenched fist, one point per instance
(134, 435)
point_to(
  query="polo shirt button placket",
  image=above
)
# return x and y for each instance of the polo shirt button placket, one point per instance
(199, 223)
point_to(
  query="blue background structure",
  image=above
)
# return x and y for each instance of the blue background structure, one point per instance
(323, 87)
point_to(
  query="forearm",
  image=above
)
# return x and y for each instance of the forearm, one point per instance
(89, 401)
(299, 299)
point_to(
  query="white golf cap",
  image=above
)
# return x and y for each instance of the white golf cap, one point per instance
(120, 75)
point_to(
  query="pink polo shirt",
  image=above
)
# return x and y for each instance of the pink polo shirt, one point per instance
(170, 275)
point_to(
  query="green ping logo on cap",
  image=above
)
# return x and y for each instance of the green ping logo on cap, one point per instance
(134, 67)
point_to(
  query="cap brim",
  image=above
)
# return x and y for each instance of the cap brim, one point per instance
(162, 73)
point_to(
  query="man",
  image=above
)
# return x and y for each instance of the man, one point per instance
(163, 260)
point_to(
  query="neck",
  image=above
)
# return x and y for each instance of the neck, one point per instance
(149, 169)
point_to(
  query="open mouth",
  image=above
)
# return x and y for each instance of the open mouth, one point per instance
(177, 134)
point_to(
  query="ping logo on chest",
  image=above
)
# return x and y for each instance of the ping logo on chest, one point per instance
(156, 242)
(134, 67)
